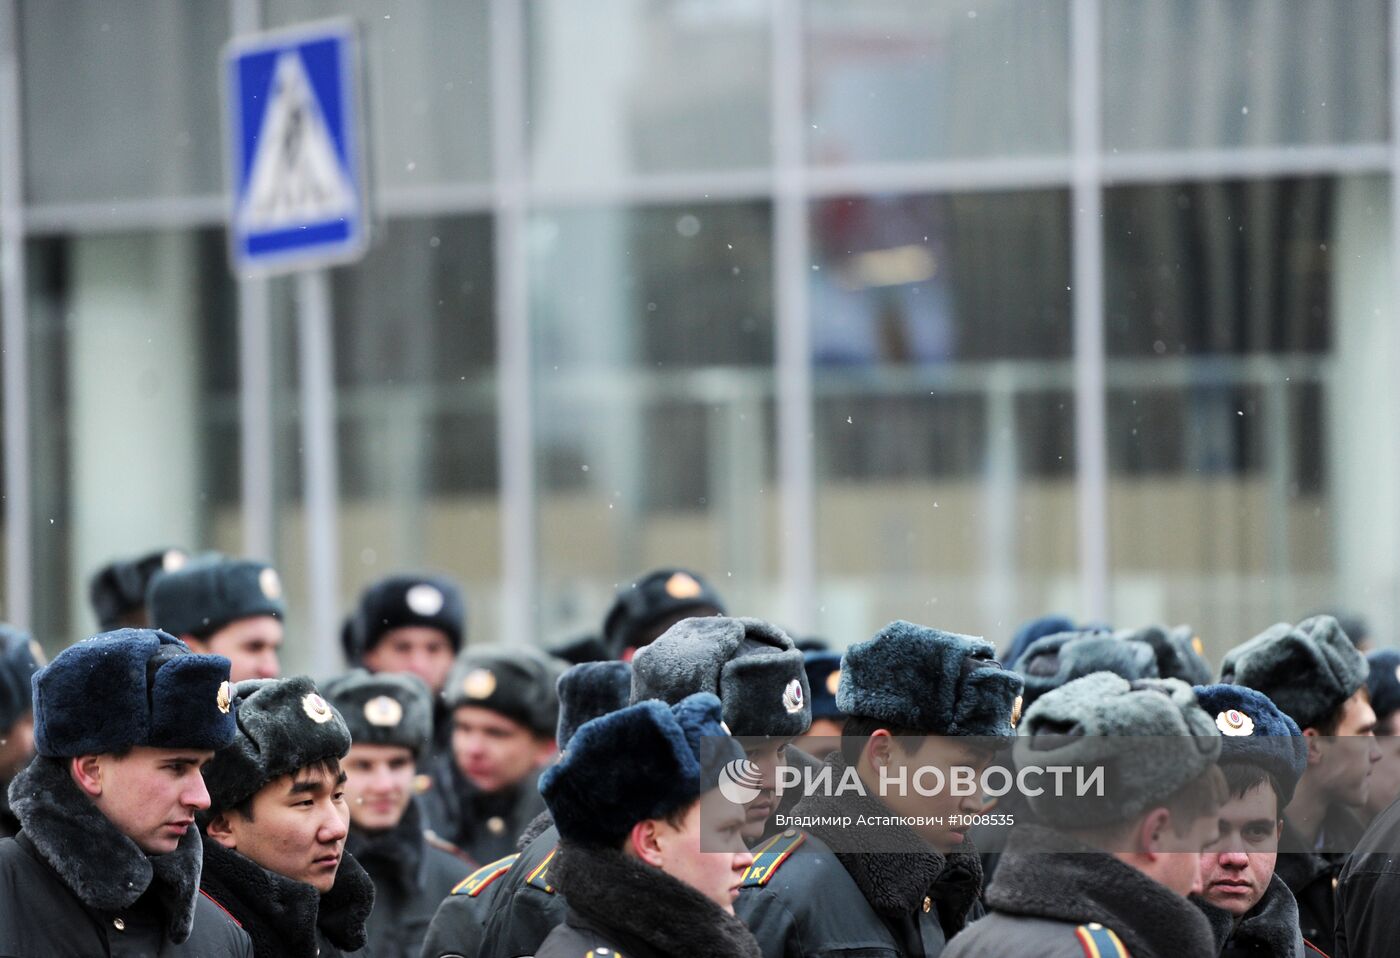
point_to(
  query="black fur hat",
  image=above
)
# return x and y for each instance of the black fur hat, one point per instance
(588, 690)
(119, 588)
(515, 680)
(1308, 669)
(646, 603)
(1254, 732)
(643, 761)
(403, 600)
(20, 658)
(1179, 650)
(383, 708)
(202, 597)
(824, 678)
(928, 680)
(283, 725)
(750, 664)
(131, 687)
(1383, 681)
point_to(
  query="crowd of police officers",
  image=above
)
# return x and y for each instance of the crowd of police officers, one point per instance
(167, 791)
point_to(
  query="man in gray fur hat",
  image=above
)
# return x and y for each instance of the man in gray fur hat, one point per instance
(914, 697)
(1134, 850)
(390, 720)
(1316, 676)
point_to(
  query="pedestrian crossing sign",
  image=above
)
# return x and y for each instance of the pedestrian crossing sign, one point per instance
(296, 168)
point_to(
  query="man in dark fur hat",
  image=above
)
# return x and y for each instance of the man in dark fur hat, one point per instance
(108, 859)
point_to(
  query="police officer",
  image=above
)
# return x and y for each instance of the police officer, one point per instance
(1383, 684)
(1133, 852)
(274, 832)
(504, 711)
(408, 623)
(1262, 755)
(823, 678)
(646, 608)
(108, 859)
(514, 892)
(117, 591)
(1316, 677)
(650, 855)
(390, 721)
(888, 889)
(1179, 651)
(20, 657)
(228, 607)
(1056, 660)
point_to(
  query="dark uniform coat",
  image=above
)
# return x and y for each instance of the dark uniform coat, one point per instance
(1050, 903)
(412, 875)
(1268, 930)
(621, 906)
(1312, 876)
(286, 918)
(73, 886)
(801, 899)
(485, 827)
(1368, 892)
(9, 824)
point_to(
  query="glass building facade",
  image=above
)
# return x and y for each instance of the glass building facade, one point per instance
(958, 313)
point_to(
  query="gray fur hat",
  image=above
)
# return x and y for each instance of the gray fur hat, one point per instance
(1057, 660)
(1180, 652)
(750, 664)
(283, 725)
(1101, 721)
(515, 680)
(588, 690)
(385, 708)
(928, 680)
(1308, 669)
(203, 596)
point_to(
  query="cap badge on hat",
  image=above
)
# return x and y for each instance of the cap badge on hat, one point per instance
(384, 711)
(724, 727)
(1198, 646)
(425, 600)
(316, 708)
(1234, 722)
(270, 583)
(479, 684)
(225, 698)
(682, 586)
(37, 651)
(792, 697)
(1016, 711)
(173, 561)
(421, 784)
(833, 681)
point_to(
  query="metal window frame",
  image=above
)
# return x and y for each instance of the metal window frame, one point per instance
(789, 183)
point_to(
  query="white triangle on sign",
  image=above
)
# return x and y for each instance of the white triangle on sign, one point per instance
(297, 177)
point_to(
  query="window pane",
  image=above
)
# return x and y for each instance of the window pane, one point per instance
(121, 101)
(910, 80)
(945, 420)
(428, 92)
(1219, 73)
(136, 443)
(1249, 450)
(654, 410)
(623, 87)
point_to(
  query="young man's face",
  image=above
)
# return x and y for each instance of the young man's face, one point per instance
(297, 827)
(769, 755)
(151, 794)
(416, 649)
(249, 644)
(1235, 871)
(940, 809)
(1385, 774)
(1348, 754)
(16, 746)
(493, 751)
(378, 786)
(707, 851)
